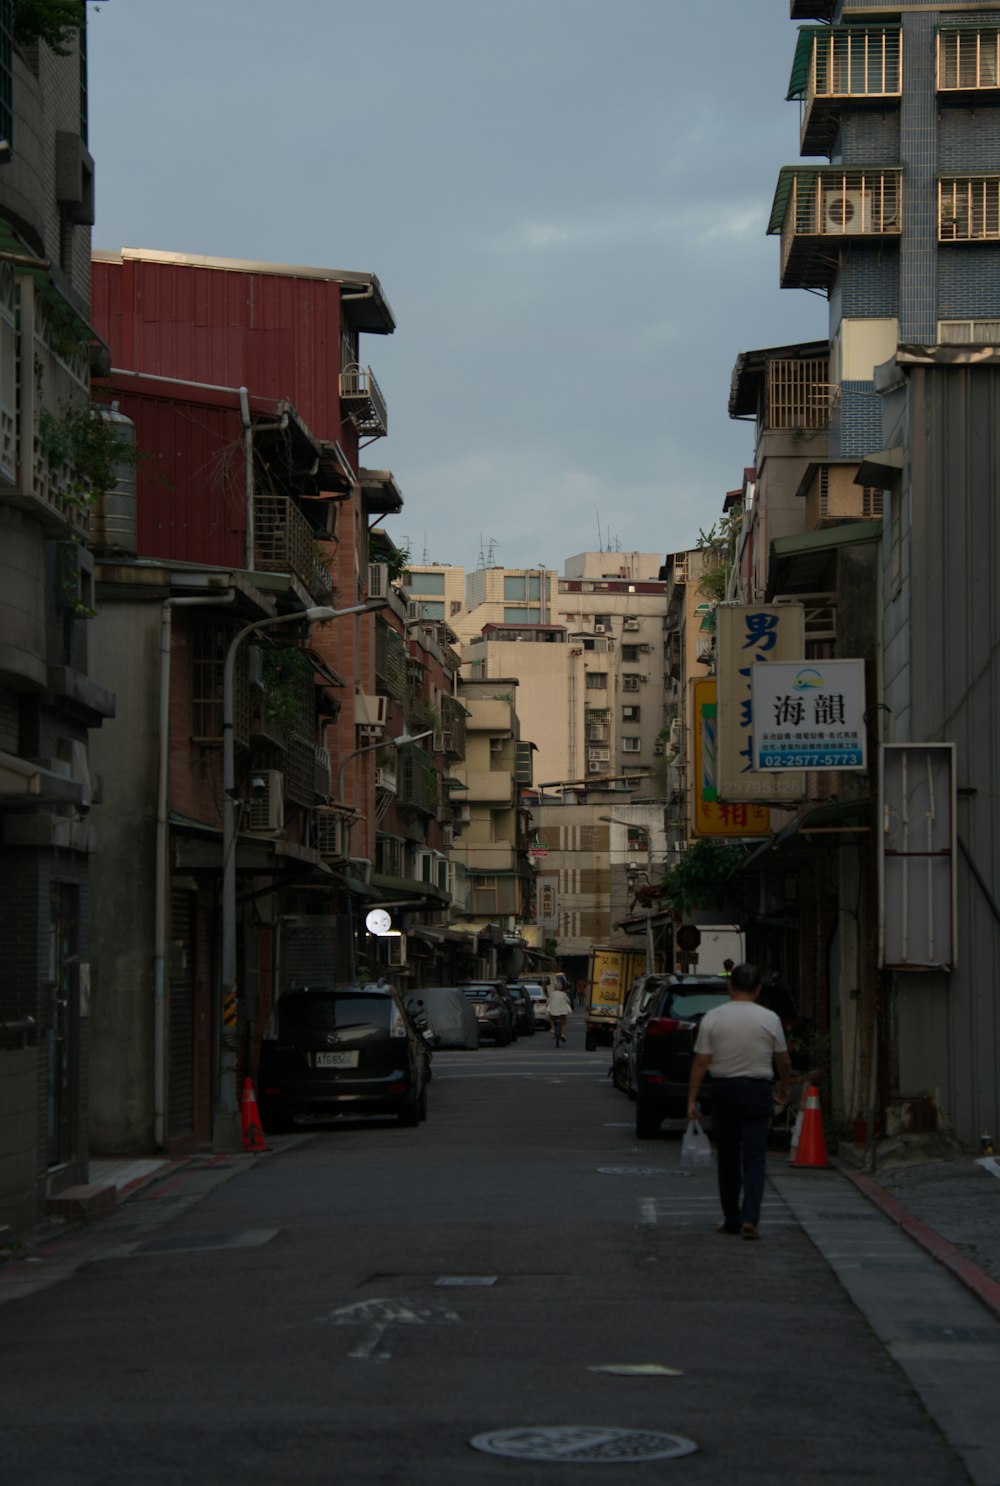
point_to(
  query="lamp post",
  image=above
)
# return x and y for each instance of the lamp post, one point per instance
(400, 742)
(226, 1132)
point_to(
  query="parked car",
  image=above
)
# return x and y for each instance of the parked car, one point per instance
(332, 1050)
(663, 1047)
(493, 1009)
(523, 1008)
(449, 1016)
(539, 1002)
(623, 1037)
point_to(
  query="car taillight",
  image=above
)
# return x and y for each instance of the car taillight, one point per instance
(662, 1026)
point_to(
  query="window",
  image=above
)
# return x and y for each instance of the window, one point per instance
(631, 743)
(630, 652)
(602, 623)
(597, 680)
(630, 714)
(420, 583)
(630, 680)
(515, 587)
(518, 616)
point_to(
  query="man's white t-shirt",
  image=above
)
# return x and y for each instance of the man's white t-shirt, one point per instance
(742, 1039)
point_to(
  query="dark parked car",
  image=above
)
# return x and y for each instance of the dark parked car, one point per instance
(493, 1009)
(663, 1047)
(523, 1008)
(449, 1018)
(623, 1040)
(332, 1050)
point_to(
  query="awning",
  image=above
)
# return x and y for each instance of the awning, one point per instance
(833, 817)
(479, 928)
(800, 563)
(799, 80)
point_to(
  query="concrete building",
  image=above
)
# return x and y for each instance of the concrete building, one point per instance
(900, 228)
(53, 467)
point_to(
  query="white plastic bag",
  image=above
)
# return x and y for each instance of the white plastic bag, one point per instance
(696, 1148)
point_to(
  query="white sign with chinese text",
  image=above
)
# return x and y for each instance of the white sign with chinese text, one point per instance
(751, 637)
(810, 715)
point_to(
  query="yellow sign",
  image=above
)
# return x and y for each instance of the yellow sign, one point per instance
(708, 816)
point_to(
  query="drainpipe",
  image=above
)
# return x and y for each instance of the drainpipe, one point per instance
(161, 874)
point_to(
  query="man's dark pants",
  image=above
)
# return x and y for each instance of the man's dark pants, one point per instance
(741, 1119)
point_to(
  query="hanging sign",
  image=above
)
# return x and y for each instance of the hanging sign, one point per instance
(809, 715)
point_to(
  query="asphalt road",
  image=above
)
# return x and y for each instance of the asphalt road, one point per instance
(360, 1303)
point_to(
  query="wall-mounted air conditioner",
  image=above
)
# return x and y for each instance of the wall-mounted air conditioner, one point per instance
(378, 580)
(414, 609)
(266, 811)
(395, 949)
(631, 624)
(370, 711)
(463, 814)
(332, 834)
(847, 212)
(600, 629)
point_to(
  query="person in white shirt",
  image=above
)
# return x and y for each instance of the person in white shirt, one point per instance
(741, 1044)
(559, 1010)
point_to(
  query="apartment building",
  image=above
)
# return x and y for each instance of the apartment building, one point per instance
(52, 699)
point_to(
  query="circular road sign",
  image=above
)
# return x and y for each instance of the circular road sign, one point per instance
(688, 936)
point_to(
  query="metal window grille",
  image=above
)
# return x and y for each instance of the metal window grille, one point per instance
(284, 542)
(857, 62)
(209, 643)
(969, 209)
(798, 393)
(968, 58)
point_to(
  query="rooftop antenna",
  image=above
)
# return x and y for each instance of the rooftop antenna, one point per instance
(482, 560)
(491, 556)
(600, 539)
(427, 556)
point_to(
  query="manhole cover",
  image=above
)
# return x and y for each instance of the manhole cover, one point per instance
(587, 1445)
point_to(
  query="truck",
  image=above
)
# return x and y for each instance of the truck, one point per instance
(611, 973)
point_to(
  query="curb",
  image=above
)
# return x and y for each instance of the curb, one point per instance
(971, 1276)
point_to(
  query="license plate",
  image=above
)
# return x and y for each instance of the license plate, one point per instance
(336, 1060)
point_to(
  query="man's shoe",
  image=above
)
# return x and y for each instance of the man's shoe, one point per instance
(730, 1228)
(749, 1231)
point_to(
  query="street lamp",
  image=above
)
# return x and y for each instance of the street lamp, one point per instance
(400, 742)
(226, 1131)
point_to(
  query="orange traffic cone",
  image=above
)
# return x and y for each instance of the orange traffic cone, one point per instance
(811, 1150)
(253, 1134)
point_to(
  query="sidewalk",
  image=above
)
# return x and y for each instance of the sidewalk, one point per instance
(951, 1208)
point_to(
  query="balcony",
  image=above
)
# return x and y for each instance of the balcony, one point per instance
(452, 728)
(417, 781)
(490, 787)
(969, 209)
(822, 210)
(390, 661)
(838, 65)
(284, 542)
(968, 59)
(798, 394)
(832, 496)
(363, 402)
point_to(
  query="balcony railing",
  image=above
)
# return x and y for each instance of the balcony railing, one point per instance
(969, 209)
(284, 542)
(60, 385)
(799, 394)
(820, 211)
(363, 401)
(452, 728)
(390, 661)
(839, 64)
(968, 59)
(417, 781)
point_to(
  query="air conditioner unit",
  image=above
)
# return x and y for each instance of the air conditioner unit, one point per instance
(847, 212)
(631, 624)
(600, 629)
(378, 580)
(645, 649)
(370, 712)
(448, 835)
(395, 949)
(385, 778)
(414, 609)
(463, 814)
(675, 734)
(267, 800)
(332, 833)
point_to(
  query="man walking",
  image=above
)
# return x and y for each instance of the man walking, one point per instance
(741, 1044)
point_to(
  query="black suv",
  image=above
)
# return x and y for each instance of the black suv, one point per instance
(662, 1047)
(334, 1050)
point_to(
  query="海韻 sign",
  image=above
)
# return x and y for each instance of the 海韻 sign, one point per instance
(809, 715)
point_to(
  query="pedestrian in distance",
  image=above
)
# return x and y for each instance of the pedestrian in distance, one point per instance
(741, 1044)
(559, 1010)
(728, 966)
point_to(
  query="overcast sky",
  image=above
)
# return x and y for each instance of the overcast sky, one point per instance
(565, 202)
